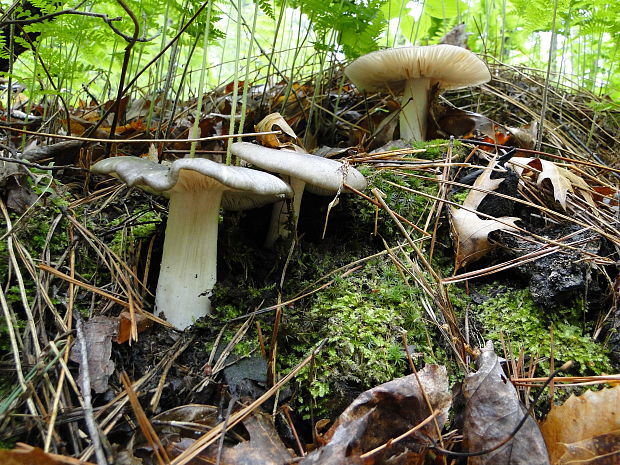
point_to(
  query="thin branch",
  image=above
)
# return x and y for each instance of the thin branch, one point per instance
(40, 167)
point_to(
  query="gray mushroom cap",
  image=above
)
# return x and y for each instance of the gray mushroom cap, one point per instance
(449, 66)
(321, 175)
(243, 188)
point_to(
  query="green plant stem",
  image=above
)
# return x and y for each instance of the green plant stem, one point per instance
(201, 81)
(126, 57)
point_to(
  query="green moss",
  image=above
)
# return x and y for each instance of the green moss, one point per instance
(362, 317)
(393, 182)
(513, 315)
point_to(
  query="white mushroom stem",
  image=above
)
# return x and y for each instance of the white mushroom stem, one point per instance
(189, 263)
(414, 111)
(279, 226)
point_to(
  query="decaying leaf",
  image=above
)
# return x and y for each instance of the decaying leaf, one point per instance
(24, 454)
(98, 334)
(492, 412)
(382, 414)
(264, 446)
(124, 326)
(461, 123)
(472, 232)
(599, 450)
(577, 424)
(525, 136)
(273, 140)
(561, 179)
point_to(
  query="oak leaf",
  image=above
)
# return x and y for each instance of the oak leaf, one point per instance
(582, 425)
(561, 179)
(472, 232)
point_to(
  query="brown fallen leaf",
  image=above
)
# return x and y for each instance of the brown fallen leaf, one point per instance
(561, 179)
(492, 411)
(264, 447)
(471, 232)
(273, 140)
(24, 454)
(599, 450)
(582, 418)
(448, 121)
(124, 326)
(98, 334)
(383, 413)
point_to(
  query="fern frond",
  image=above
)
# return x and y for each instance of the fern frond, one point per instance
(266, 8)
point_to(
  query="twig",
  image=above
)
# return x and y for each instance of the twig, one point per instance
(138, 141)
(40, 167)
(116, 106)
(220, 447)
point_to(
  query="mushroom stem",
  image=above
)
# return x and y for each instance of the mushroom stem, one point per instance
(414, 111)
(280, 214)
(189, 263)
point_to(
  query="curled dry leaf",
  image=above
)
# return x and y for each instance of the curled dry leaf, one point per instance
(492, 412)
(383, 413)
(579, 422)
(471, 232)
(264, 446)
(267, 124)
(561, 179)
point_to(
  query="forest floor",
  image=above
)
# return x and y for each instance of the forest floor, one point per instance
(476, 236)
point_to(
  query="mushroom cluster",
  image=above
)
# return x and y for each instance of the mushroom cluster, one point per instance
(413, 72)
(197, 187)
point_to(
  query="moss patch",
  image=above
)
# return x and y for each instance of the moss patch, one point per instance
(513, 315)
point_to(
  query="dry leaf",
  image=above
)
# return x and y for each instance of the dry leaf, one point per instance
(124, 326)
(525, 137)
(599, 450)
(264, 447)
(98, 334)
(382, 414)
(273, 140)
(472, 232)
(492, 411)
(561, 179)
(579, 418)
(24, 454)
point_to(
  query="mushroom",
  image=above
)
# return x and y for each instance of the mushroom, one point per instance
(196, 187)
(325, 176)
(413, 71)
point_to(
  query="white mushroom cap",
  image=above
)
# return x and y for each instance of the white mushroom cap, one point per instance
(325, 175)
(413, 71)
(191, 174)
(447, 65)
(162, 179)
(322, 175)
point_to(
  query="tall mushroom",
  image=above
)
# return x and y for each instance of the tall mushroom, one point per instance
(324, 175)
(195, 186)
(413, 71)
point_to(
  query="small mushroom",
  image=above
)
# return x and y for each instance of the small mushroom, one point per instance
(325, 176)
(413, 71)
(195, 187)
